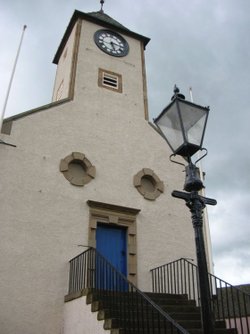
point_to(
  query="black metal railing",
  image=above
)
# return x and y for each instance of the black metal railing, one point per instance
(128, 307)
(228, 302)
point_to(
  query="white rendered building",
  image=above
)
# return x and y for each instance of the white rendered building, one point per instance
(86, 168)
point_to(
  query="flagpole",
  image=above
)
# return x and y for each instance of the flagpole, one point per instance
(11, 79)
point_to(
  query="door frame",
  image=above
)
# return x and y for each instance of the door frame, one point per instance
(104, 213)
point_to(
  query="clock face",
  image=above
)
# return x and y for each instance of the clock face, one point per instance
(111, 43)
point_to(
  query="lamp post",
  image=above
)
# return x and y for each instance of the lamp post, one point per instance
(182, 124)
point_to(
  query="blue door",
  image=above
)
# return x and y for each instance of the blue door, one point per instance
(111, 242)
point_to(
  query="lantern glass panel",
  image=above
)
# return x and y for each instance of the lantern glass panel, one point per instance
(194, 121)
(170, 125)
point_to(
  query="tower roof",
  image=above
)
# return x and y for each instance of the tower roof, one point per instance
(99, 18)
(100, 15)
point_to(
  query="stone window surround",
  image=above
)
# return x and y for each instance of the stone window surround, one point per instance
(158, 184)
(120, 216)
(80, 158)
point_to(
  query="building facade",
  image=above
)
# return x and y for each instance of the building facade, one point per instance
(86, 170)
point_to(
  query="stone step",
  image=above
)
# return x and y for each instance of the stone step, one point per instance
(171, 309)
(161, 300)
(180, 308)
(142, 331)
(180, 316)
(162, 331)
(189, 325)
(196, 324)
(171, 299)
(217, 331)
(169, 306)
(112, 313)
(115, 326)
(170, 296)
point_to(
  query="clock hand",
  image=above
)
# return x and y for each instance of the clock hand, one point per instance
(113, 45)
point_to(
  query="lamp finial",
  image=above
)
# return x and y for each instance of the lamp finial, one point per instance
(177, 94)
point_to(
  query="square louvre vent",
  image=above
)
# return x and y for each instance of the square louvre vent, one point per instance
(110, 80)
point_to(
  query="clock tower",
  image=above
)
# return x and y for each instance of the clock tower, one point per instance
(97, 51)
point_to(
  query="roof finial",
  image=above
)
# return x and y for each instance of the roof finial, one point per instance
(102, 3)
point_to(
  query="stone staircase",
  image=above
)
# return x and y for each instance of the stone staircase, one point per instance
(182, 310)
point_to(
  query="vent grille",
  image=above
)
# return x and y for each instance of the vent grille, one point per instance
(110, 80)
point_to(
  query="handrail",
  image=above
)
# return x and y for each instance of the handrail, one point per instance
(137, 312)
(228, 303)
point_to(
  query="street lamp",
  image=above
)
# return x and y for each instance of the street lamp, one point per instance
(182, 124)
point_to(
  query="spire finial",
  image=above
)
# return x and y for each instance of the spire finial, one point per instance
(102, 3)
(176, 90)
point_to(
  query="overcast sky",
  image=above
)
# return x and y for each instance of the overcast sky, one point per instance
(197, 43)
